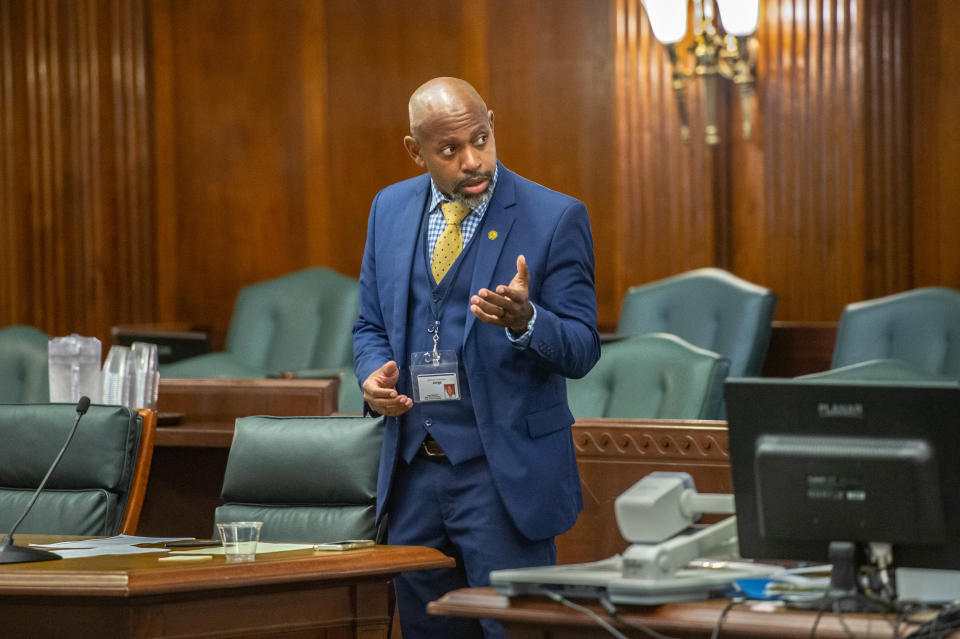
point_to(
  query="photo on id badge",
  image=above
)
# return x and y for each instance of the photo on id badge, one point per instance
(434, 376)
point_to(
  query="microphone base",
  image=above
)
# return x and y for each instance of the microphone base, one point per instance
(21, 554)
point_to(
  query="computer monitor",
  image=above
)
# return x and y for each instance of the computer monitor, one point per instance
(821, 461)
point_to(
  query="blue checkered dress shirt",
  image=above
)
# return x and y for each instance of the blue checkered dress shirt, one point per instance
(436, 222)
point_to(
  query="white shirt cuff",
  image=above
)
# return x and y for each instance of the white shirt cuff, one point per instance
(523, 340)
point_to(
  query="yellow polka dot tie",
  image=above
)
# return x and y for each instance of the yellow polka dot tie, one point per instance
(450, 242)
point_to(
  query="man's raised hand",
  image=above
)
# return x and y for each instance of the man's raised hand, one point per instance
(510, 305)
(380, 391)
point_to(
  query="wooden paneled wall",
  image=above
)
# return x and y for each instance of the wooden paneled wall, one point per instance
(935, 129)
(77, 225)
(822, 212)
(157, 155)
(279, 122)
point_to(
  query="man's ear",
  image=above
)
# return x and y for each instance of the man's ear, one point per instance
(413, 148)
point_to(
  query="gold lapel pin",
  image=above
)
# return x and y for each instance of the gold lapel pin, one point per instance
(492, 235)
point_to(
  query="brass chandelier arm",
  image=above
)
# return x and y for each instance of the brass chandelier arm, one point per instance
(732, 58)
(679, 91)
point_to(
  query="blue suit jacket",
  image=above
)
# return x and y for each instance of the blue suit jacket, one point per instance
(519, 396)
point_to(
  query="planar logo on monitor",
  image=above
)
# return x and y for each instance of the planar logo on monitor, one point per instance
(853, 411)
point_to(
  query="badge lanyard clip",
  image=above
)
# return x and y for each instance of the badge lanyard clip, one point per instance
(436, 339)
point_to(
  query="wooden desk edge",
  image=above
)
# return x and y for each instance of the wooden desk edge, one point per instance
(698, 617)
(190, 384)
(646, 422)
(531, 609)
(144, 575)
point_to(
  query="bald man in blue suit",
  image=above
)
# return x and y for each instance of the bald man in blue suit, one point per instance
(486, 471)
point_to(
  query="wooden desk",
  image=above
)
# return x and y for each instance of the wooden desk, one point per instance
(211, 406)
(614, 454)
(297, 593)
(189, 459)
(539, 618)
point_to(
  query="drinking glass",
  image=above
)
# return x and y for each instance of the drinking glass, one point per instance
(240, 539)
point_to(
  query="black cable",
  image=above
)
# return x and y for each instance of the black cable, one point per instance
(838, 611)
(831, 603)
(893, 623)
(603, 623)
(723, 616)
(900, 619)
(816, 620)
(615, 614)
(861, 602)
(946, 621)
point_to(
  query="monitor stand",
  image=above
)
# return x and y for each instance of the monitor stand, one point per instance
(846, 593)
(845, 564)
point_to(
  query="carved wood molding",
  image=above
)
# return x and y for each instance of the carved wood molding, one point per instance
(650, 439)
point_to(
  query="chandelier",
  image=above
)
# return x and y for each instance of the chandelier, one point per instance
(731, 57)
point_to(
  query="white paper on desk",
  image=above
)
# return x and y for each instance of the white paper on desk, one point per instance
(73, 553)
(98, 547)
(112, 542)
(262, 548)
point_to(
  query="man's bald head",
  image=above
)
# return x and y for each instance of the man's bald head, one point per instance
(451, 135)
(441, 96)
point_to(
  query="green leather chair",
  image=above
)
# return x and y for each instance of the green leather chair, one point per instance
(710, 308)
(879, 370)
(98, 487)
(920, 326)
(300, 325)
(308, 479)
(24, 376)
(657, 376)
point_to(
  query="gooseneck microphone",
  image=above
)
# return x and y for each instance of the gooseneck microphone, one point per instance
(11, 554)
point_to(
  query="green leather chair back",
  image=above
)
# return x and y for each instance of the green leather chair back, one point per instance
(879, 370)
(308, 479)
(303, 320)
(710, 308)
(87, 494)
(301, 323)
(24, 376)
(920, 326)
(657, 376)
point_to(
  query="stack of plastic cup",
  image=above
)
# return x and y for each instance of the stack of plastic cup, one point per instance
(118, 376)
(146, 375)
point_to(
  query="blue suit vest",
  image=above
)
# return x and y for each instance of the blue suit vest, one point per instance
(453, 424)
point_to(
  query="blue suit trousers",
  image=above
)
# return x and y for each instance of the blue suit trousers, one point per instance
(456, 509)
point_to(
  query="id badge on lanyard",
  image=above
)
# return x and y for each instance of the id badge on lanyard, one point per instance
(434, 373)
